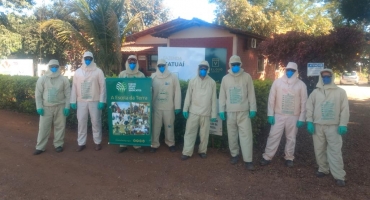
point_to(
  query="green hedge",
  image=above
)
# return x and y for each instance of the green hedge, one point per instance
(17, 93)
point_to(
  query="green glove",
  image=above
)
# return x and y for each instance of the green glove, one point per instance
(177, 111)
(252, 114)
(342, 130)
(299, 124)
(222, 115)
(74, 106)
(213, 119)
(271, 120)
(186, 115)
(66, 112)
(101, 105)
(40, 111)
(310, 128)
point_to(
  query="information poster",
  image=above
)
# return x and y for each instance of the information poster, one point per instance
(313, 69)
(129, 111)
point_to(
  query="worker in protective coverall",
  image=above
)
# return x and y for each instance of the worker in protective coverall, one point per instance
(52, 101)
(132, 71)
(88, 97)
(199, 109)
(166, 103)
(286, 110)
(327, 117)
(238, 99)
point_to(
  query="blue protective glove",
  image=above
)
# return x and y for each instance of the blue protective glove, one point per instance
(74, 106)
(101, 105)
(66, 112)
(186, 115)
(177, 111)
(342, 130)
(213, 119)
(40, 111)
(299, 124)
(252, 114)
(310, 128)
(271, 120)
(222, 115)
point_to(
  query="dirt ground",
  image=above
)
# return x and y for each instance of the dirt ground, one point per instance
(106, 174)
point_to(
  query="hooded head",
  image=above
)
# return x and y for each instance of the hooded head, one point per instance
(326, 79)
(53, 68)
(203, 68)
(291, 70)
(162, 70)
(132, 65)
(235, 65)
(88, 61)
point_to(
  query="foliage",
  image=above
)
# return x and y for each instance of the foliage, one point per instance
(275, 16)
(355, 10)
(339, 50)
(17, 93)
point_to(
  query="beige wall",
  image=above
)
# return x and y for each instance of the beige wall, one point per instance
(201, 32)
(148, 39)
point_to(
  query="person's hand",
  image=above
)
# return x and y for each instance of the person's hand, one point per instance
(252, 114)
(66, 112)
(40, 111)
(177, 111)
(342, 130)
(299, 124)
(74, 106)
(271, 120)
(101, 105)
(222, 115)
(186, 115)
(213, 119)
(310, 128)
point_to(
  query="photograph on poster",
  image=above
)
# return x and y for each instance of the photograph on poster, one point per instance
(130, 118)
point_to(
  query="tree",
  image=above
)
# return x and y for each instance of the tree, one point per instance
(274, 16)
(339, 50)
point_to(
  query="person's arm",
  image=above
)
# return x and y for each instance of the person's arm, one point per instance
(67, 92)
(302, 115)
(344, 109)
(188, 97)
(39, 91)
(177, 97)
(74, 90)
(251, 95)
(222, 97)
(214, 101)
(310, 105)
(271, 100)
(103, 92)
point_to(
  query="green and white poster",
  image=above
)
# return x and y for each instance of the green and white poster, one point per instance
(129, 111)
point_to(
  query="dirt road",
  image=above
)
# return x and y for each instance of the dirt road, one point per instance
(108, 175)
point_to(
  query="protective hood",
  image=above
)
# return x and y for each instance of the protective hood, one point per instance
(92, 66)
(128, 69)
(51, 74)
(235, 59)
(159, 74)
(204, 62)
(320, 83)
(294, 78)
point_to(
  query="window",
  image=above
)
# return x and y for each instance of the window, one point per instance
(260, 64)
(152, 62)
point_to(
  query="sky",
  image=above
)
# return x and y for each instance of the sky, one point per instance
(186, 9)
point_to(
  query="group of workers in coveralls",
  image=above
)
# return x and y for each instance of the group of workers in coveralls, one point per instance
(325, 111)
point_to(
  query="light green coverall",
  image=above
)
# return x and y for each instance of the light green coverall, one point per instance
(52, 94)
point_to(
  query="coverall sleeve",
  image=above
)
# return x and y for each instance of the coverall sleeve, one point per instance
(67, 92)
(251, 95)
(214, 102)
(177, 98)
(74, 90)
(344, 109)
(310, 106)
(103, 93)
(39, 90)
(271, 101)
(302, 115)
(222, 97)
(189, 93)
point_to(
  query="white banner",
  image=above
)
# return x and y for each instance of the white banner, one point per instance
(13, 67)
(182, 61)
(313, 69)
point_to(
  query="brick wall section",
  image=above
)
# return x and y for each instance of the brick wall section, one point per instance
(249, 58)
